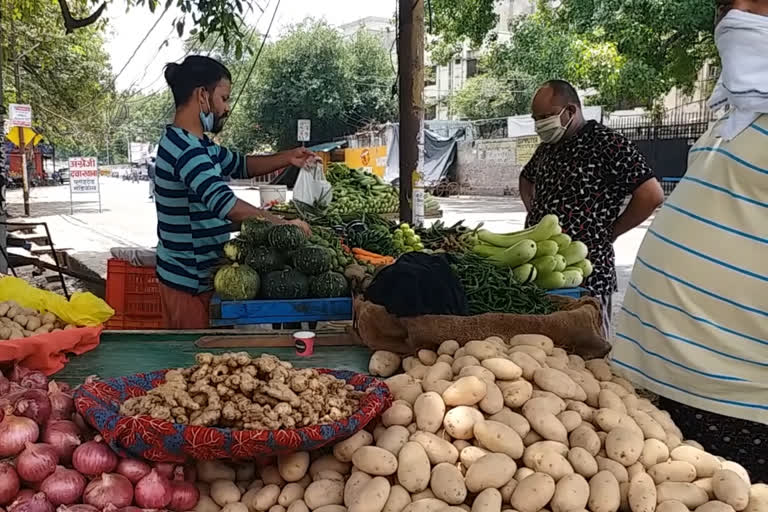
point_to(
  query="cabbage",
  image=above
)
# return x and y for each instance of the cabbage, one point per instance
(237, 282)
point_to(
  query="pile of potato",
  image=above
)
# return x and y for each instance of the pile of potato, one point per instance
(492, 427)
(17, 322)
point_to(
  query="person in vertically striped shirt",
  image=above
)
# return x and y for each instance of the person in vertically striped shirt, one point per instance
(694, 324)
(196, 209)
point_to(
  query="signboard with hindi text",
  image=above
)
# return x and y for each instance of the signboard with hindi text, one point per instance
(83, 178)
(20, 115)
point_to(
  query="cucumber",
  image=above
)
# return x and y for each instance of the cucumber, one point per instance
(573, 278)
(546, 248)
(561, 264)
(585, 266)
(519, 254)
(575, 253)
(525, 274)
(551, 281)
(562, 240)
(545, 265)
(544, 230)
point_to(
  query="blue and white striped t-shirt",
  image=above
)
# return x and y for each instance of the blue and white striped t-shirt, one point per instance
(193, 201)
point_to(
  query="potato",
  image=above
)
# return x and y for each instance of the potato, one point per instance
(399, 413)
(738, 469)
(534, 340)
(393, 439)
(536, 451)
(374, 461)
(331, 508)
(487, 501)
(21, 319)
(502, 368)
(448, 347)
(354, 485)
(237, 507)
(715, 506)
(384, 364)
(429, 410)
(617, 469)
(423, 495)
(654, 452)
(5, 333)
(546, 402)
(706, 464)
(583, 462)
(447, 483)
(584, 437)
(604, 493)
(600, 369)
(478, 371)
(571, 420)
(438, 449)
(559, 383)
(460, 421)
(471, 454)
(547, 425)
(553, 464)
(499, 438)
(730, 488)
(372, 497)
(618, 389)
(328, 462)
(298, 506)
(571, 493)
(507, 490)
(426, 505)
(533, 493)
(491, 471)
(688, 494)
(4, 307)
(671, 506)
(209, 471)
(465, 391)
(481, 349)
(493, 402)
(206, 504)
(408, 393)
(608, 419)
(328, 475)
(343, 451)
(294, 466)
(642, 493)
(650, 427)
(262, 499)
(460, 362)
(440, 371)
(325, 492)
(398, 499)
(672, 471)
(608, 399)
(27, 333)
(532, 438)
(418, 371)
(413, 467)
(33, 323)
(427, 357)
(13, 311)
(558, 363)
(517, 393)
(512, 419)
(527, 364)
(624, 445)
(290, 493)
(225, 492)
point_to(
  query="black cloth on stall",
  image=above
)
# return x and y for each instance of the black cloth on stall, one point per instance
(419, 284)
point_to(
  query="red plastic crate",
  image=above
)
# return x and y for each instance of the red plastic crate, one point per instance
(134, 294)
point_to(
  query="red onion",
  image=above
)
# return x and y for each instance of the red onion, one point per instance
(128, 509)
(62, 404)
(30, 379)
(64, 486)
(109, 488)
(35, 405)
(165, 469)
(15, 432)
(64, 436)
(64, 387)
(18, 373)
(77, 508)
(133, 469)
(184, 496)
(37, 462)
(9, 483)
(153, 491)
(25, 494)
(94, 458)
(37, 503)
(5, 385)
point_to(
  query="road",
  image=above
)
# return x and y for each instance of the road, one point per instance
(128, 219)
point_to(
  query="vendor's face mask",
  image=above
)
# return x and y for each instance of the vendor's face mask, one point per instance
(207, 119)
(551, 129)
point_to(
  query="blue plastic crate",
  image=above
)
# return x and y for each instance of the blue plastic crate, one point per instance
(574, 293)
(253, 312)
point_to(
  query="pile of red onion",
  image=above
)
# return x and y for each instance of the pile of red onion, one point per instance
(54, 463)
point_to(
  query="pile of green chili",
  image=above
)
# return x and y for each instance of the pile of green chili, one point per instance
(490, 289)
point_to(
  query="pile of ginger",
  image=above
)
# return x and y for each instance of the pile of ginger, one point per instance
(238, 391)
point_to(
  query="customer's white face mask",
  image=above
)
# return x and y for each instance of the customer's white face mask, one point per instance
(551, 129)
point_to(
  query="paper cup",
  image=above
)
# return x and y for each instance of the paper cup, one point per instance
(305, 343)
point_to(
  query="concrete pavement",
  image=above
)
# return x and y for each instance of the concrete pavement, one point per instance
(128, 219)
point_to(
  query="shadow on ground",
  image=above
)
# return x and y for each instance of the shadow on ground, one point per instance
(49, 208)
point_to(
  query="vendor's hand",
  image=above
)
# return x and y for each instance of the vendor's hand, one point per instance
(300, 156)
(302, 225)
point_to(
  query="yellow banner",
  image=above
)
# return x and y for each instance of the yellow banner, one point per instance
(373, 160)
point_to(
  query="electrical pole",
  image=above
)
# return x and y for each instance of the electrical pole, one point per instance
(22, 146)
(3, 170)
(411, 68)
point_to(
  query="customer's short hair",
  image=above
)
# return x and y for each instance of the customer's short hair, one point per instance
(564, 91)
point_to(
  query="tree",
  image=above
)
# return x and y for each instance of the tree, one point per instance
(489, 97)
(313, 73)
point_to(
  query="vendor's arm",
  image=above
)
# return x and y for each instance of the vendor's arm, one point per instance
(263, 165)
(645, 199)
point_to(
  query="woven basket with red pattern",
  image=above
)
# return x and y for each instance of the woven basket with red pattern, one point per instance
(162, 441)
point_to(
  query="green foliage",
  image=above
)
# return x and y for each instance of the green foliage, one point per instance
(487, 96)
(313, 73)
(457, 22)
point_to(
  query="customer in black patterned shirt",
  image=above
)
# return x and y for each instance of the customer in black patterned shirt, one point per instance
(583, 172)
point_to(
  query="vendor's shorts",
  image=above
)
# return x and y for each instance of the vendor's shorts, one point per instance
(184, 311)
(740, 441)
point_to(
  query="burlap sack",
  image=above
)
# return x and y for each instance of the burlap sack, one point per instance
(576, 327)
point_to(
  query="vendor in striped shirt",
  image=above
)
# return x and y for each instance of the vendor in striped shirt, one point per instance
(196, 209)
(694, 323)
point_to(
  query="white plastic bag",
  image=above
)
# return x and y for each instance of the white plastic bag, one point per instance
(311, 186)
